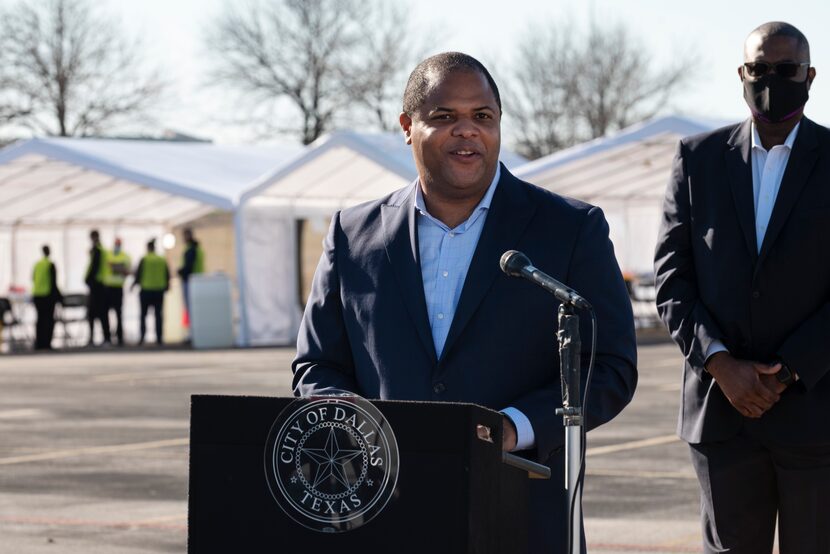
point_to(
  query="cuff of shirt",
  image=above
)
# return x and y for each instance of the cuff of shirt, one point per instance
(525, 438)
(714, 348)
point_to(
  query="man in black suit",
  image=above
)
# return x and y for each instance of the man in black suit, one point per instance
(408, 301)
(743, 283)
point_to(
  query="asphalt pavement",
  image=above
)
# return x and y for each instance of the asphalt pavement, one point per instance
(94, 451)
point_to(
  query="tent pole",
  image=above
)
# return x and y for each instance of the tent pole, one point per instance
(65, 270)
(13, 264)
(238, 230)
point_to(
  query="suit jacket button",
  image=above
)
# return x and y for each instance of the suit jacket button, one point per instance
(438, 388)
(756, 294)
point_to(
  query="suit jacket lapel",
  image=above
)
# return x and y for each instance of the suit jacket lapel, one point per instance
(401, 240)
(799, 166)
(508, 216)
(739, 168)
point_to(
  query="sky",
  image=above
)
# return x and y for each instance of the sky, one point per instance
(711, 32)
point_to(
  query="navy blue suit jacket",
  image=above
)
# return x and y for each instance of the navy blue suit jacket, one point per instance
(366, 329)
(714, 284)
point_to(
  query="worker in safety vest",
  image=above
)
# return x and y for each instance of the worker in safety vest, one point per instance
(97, 273)
(119, 268)
(45, 294)
(193, 263)
(153, 276)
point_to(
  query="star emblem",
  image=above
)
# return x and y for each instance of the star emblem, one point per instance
(370, 483)
(331, 461)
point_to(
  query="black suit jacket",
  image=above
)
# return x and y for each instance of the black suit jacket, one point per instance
(366, 328)
(712, 284)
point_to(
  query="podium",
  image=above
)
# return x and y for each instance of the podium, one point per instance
(452, 492)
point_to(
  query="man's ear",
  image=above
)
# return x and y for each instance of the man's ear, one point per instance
(811, 74)
(406, 125)
(741, 72)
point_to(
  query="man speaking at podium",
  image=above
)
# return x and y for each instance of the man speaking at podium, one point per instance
(408, 301)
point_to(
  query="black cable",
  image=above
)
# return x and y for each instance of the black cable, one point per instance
(581, 477)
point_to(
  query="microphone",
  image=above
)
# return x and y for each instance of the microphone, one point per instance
(516, 264)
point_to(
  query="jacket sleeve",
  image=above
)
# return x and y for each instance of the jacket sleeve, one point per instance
(687, 319)
(807, 351)
(594, 273)
(324, 363)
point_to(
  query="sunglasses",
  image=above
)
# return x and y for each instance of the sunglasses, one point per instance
(787, 70)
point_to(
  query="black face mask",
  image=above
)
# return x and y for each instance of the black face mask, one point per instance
(773, 99)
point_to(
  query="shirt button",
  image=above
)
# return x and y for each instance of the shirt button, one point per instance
(438, 388)
(756, 294)
(452, 234)
(440, 316)
(446, 273)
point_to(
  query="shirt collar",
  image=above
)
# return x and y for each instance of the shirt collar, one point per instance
(756, 138)
(484, 204)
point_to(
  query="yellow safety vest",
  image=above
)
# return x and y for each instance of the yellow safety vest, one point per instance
(198, 262)
(153, 272)
(116, 262)
(42, 278)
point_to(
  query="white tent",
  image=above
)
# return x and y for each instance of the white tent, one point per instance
(626, 175)
(339, 170)
(55, 190)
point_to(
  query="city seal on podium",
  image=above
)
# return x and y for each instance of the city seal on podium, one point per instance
(331, 462)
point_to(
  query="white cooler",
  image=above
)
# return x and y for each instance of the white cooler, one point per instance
(211, 313)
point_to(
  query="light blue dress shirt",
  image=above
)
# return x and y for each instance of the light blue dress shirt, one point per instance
(445, 259)
(768, 168)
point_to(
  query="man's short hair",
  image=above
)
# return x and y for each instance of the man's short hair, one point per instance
(46, 250)
(783, 29)
(425, 73)
(94, 234)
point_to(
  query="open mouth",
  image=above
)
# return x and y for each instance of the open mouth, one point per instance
(465, 154)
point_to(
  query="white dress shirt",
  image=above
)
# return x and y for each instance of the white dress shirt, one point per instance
(768, 168)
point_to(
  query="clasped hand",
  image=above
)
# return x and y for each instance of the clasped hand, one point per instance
(750, 387)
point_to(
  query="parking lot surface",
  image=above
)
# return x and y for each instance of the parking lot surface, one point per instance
(94, 451)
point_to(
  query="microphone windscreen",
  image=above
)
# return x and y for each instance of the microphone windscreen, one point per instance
(513, 262)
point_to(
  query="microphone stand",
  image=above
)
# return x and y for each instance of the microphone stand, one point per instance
(571, 411)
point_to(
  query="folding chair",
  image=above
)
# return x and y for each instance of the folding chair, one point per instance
(72, 310)
(13, 331)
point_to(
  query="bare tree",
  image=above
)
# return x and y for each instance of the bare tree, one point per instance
(12, 106)
(618, 84)
(323, 56)
(386, 56)
(542, 95)
(571, 87)
(74, 73)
